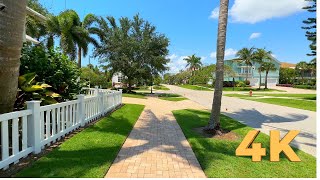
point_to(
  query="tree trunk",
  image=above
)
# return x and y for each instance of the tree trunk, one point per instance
(214, 122)
(129, 85)
(12, 22)
(266, 81)
(260, 80)
(247, 75)
(79, 57)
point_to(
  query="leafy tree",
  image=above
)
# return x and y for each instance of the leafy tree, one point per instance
(94, 77)
(214, 122)
(134, 48)
(287, 76)
(267, 67)
(12, 22)
(75, 36)
(52, 67)
(301, 69)
(193, 62)
(259, 56)
(245, 56)
(311, 26)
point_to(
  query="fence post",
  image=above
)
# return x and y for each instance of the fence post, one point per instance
(101, 103)
(96, 92)
(120, 96)
(34, 136)
(81, 112)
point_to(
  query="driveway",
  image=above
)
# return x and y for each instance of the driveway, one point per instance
(262, 116)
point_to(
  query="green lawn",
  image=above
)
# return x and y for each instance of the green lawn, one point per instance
(294, 103)
(298, 96)
(161, 87)
(242, 95)
(193, 87)
(171, 97)
(248, 89)
(217, 157)
(136, 95)
(90, 153)
(297, 100)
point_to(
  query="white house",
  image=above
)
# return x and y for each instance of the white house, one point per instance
(118, 80)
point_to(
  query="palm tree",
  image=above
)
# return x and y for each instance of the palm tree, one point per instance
(245, 55)
(267, 67)
(12, 22)
(259, 56)
(193, 62)
(74, 34)
(214, 122)
(312, 66)
(301, 68)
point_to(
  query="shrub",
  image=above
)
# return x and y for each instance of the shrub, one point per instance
(52, 67)
(285, 85)
(241, 84)
(247, 82)
(304, 87)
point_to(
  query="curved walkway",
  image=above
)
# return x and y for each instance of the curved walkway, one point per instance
(263, 116)
(157, 147)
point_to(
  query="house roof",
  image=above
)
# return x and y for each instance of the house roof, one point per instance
(287, 65)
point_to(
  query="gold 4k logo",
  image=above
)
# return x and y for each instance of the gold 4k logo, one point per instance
(276, 146)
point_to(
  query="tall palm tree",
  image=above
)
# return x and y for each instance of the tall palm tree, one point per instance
(245, 55)
(87, 24)
(267, 67)
(12, 22)
(74, 34)
(214, 122)
(301, 68)
(259, 56)
(193, 62)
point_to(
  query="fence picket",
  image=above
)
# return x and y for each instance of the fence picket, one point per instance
(24, 132)
(15, 136)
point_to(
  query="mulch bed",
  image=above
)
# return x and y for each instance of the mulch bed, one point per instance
(226, 135)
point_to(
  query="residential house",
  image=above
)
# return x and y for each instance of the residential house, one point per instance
(241, 70)
(118, 80)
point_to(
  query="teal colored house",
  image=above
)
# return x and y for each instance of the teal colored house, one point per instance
(241, 70)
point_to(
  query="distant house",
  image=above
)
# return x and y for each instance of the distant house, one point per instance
(242, 69)
(118, 80)
(288, 65)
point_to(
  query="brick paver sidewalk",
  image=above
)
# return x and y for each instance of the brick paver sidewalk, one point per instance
(157, 147)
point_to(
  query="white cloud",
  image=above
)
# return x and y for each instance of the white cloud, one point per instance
(253, 11)
(255, 35)
(178, 63)
(215, 13)
(173, 56)
(228, 53)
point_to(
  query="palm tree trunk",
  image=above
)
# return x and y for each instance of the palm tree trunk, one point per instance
(247, 75)
(214, 122)
(79, 57)
(266, 81)
(259, 80)
(12, 22)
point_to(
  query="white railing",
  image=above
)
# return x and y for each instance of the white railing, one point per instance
(29, 131)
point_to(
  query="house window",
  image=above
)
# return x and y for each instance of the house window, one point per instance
(120, 78)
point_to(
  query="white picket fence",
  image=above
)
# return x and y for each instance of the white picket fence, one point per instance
(29, 131)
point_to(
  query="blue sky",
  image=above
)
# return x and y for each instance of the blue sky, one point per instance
(191, 25)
